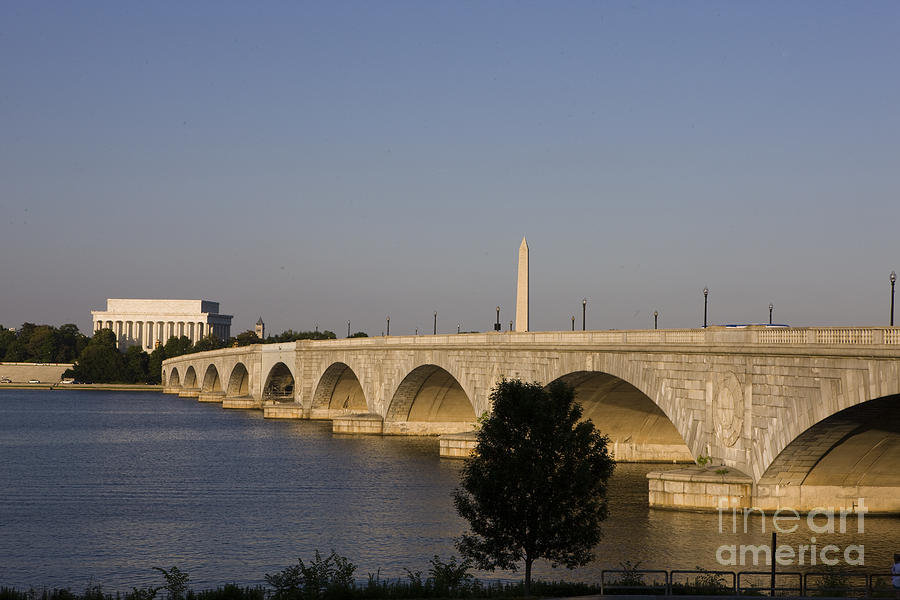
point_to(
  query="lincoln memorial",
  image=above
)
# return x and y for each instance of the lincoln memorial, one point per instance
(146, 323)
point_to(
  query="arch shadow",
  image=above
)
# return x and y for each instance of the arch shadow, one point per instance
(238, 382)
(211, 383)
(279, 385)
(638, 429)
(174, 378)
(429, 401)
(338, 392)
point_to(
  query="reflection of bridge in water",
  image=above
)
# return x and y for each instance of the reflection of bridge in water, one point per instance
(797, 417)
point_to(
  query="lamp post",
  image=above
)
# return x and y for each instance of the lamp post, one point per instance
(705, 295)
(771, 306)
(655, 319)
(573, 322)
(510, 325)
(389, 325)
(893, 281)
(457, 328)
(497, 324)
(583, 313)
(348, 328)
(434, 331)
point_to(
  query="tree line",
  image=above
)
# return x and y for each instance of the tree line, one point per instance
(41, 343)
(98, 360)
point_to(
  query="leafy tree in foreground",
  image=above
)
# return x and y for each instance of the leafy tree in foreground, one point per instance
(535, 487)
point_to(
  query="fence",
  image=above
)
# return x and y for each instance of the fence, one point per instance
(701, 582)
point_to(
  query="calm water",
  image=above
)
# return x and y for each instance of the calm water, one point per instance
(102, 486)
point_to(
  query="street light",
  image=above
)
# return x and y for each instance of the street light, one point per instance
(348, 328)
(771, 306)
(583, 312)
(573, 322)
(497, 324)
(705, 294)
(457, 328)
(655, 319)
(434, 332)
(510, 325)
(389, 325)
(893, 281)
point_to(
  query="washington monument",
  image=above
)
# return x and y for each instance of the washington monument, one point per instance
(522, 288)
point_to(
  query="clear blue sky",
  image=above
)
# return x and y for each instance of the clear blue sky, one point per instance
(319, 162)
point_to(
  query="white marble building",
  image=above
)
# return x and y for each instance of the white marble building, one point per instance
(150, 322)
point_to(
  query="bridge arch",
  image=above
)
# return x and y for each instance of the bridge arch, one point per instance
(834, 396)
(637, 427)
(174, 378)
(689, 424)
(429, 400)
(856, 449)
(338, 390)
(211, 382)
(238, 382)
(279, 386)
(190, 378)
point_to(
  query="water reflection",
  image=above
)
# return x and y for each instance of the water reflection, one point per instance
(106, 485)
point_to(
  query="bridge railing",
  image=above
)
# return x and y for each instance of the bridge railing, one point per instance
(749, 335)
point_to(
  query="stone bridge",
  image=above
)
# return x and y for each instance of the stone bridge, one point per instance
(798, 417)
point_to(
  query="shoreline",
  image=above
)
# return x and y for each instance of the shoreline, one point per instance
(114, 387)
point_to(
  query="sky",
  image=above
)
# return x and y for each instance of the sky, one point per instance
(314, 163)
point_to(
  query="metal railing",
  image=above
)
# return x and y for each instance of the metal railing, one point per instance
(702, 582)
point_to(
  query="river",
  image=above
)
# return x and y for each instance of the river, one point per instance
(99, 487)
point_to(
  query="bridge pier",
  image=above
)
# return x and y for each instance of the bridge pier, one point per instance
(189, 393)
(457, 445)
(242, 402)
(211, 396)
(700, 489)
(360, 424)
(283, 410)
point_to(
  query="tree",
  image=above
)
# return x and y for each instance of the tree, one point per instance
(246, 338)
(154, 364)
(100, 361)
(136, 363)
(210, 342)
(177, 346)
(535, 486)
(360, 334)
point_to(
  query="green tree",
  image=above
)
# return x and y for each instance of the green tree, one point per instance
(176, 346)
(154, 364)
(41, 344)
(245, 338)
(210, 342)
(100, 361)
(535, 486)
(360, 334)
(70, 343)
(136, 363)
(7, 340)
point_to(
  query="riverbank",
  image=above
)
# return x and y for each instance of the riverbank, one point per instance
(121, 387)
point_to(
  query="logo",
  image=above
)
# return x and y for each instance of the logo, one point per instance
(818, 521)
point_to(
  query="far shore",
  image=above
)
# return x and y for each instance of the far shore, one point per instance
(122, 387)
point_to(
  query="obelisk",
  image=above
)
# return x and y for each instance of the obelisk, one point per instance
(522, 288)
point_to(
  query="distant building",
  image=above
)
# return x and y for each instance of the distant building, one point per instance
(260, 329)
(146, 323)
